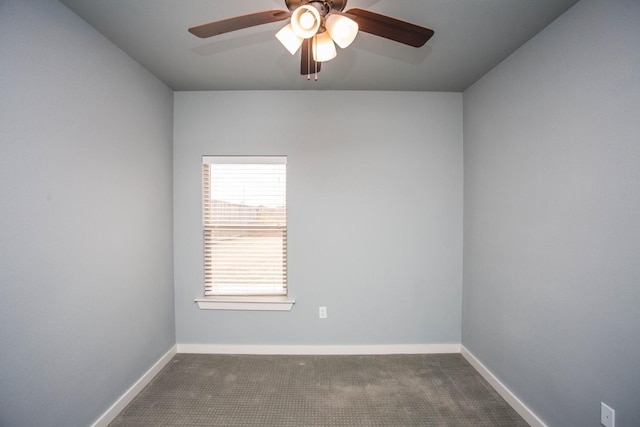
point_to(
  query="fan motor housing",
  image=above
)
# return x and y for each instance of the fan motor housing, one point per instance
(324, 6)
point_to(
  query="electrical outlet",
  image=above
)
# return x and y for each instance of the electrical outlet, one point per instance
(607, 415)
(322, 312)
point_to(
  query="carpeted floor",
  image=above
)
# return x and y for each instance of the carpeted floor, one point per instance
(388, 390)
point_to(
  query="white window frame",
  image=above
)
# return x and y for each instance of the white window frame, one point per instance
(279, 301)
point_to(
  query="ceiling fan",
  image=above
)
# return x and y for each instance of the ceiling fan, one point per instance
(315, 26)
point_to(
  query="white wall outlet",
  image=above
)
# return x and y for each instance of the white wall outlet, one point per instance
(322, 312)
(607, 415)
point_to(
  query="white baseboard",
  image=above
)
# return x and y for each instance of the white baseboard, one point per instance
(133, 391)
(319, 349)
(526, 413)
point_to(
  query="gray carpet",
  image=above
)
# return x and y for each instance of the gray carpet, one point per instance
(389, 390)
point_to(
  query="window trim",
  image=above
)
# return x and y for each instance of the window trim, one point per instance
(249, 303)
(245, 302)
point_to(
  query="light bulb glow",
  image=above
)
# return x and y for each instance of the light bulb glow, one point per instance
(289, 39)
(342, 29)
(305, 21)
(323, 48)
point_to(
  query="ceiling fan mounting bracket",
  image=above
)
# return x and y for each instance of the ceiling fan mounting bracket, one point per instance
(324, 6)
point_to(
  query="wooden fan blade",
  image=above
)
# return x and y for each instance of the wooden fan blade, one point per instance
(390, 28)
(239, 22)
(307, 65)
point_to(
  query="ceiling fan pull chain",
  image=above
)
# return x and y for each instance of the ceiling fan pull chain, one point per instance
(315, 49)
(308, 60)
(315, 63)
(309, 56)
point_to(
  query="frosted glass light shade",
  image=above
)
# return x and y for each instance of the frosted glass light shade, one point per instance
(323, 48)
(306, 21)
(342, 29)
(289, 39)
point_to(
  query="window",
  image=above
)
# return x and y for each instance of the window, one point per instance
(244, 226)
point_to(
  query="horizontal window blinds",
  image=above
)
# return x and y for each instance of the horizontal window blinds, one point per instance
(245, 225)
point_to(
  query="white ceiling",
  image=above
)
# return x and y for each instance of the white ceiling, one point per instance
(471, 37)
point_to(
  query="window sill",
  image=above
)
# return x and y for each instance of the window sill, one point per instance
(245, 303)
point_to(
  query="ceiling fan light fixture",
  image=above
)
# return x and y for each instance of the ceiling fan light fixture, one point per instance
(306, 21)
(317, 26)
(289, 39)
(323, 48)
(343, 30)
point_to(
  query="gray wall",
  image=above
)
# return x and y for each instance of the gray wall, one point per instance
(375, 213)
(552, 217)
(86, 294)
